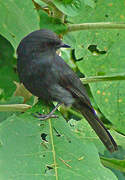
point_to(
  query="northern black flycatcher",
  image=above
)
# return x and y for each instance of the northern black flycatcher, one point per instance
(46, 75)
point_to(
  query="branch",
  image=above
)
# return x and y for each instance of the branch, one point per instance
(103, 78)
(91, 26)
(14, 107)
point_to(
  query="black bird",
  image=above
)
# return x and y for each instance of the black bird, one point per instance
(46, 75)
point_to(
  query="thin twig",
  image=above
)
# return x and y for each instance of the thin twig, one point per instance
(65, 162)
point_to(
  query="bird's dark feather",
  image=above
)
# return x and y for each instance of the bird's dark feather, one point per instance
(46, 75)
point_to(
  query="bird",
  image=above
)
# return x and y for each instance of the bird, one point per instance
(46, 75)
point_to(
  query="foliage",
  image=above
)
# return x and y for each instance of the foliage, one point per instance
(57, 149)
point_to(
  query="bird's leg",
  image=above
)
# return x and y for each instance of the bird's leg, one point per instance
(49, 115)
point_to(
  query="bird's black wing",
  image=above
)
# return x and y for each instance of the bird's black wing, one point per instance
(70, 82)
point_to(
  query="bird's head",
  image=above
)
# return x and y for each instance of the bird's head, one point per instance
(40, 41)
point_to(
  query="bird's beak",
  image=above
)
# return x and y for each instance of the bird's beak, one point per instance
(65, 46)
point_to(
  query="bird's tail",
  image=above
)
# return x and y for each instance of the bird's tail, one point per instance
(98, 127)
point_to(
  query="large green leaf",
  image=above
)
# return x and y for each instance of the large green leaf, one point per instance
(17, 19)
(109, 95)
(107, 58)
(52, 24)
(70, 9)
(73, 7)
(105, 11)
(50, 151)
(7, 68)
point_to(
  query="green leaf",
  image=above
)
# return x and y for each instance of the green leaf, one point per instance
(105, 11)
(40, 3)
(17, 19)
(7, 68)
(4, 104)
(53, 24)
(67, 1)
(70, 9)
(50, 151)
(109, 96)
(114, 163)
(90, 3)
(83, 130)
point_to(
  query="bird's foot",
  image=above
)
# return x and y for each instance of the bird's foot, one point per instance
(43, 117)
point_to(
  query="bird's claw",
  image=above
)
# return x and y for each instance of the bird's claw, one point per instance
(45, 116)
